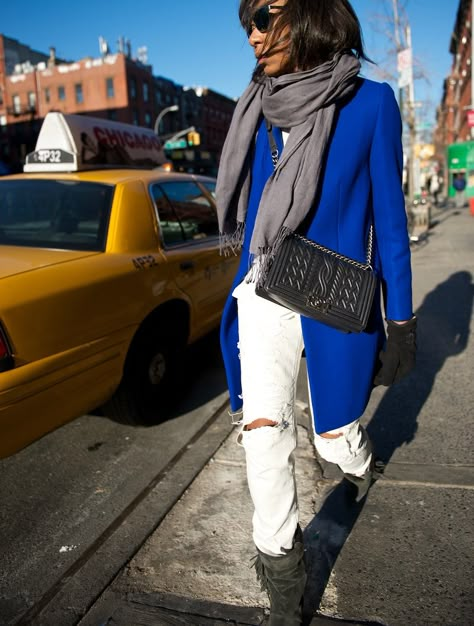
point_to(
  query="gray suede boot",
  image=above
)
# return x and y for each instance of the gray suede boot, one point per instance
(362, 484)
(284, 579)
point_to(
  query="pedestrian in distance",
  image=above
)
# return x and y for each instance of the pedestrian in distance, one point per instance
(434, 188)
(459, 184)
(337, 169)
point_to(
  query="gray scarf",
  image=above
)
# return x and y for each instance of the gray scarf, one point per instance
(305, 102)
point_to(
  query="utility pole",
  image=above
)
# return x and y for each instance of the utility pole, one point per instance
(411, 124)
(405, 82)
(396, 22)
(399, 48)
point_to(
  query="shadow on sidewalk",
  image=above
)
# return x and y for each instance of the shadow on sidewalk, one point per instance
(443, 331)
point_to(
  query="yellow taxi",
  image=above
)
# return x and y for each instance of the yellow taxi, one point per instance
(109, 267)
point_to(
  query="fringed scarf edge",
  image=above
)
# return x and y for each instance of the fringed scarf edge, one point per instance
(231, 243)
(260, 264)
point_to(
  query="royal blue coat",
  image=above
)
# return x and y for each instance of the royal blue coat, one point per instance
(361, 182)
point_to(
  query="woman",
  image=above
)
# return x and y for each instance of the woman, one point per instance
(338, 171)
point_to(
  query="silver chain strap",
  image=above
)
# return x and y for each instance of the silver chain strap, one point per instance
(363, 266)
(275, 155)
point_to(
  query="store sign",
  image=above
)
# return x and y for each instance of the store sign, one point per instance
(405, 68)
(179, 143)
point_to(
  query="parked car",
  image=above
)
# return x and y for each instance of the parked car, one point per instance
(106, 274)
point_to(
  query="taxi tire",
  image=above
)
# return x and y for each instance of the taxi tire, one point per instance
(137, 400)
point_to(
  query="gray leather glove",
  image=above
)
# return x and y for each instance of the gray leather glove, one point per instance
(399, 356)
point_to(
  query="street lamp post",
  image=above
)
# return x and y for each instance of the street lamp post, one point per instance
(170, 109)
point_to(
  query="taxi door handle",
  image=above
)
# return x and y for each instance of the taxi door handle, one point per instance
(186, 265)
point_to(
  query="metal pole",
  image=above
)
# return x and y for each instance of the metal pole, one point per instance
(396, 23)
(180, 133)
(411, 124)
(401, 90)
(173, 107)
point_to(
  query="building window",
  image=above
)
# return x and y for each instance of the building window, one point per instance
(147, 120)
(16, 104)
(146, 92)
(47, 95)
(79, 93)
(158, 97)
(61, 93)
(133, 88)
(109, 87)
(136, 119)
(112, 115)
(31, 100)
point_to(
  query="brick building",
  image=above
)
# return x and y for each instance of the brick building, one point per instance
(454, 136)
(452, 114)
(113, 86)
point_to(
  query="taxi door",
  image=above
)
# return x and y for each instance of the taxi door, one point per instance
(189, 231)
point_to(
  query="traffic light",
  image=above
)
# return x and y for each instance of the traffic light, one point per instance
(194, 138)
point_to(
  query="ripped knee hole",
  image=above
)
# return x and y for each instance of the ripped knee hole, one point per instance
(331, 435)
(258, 423)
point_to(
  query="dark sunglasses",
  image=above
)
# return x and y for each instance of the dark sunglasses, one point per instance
(262, 18)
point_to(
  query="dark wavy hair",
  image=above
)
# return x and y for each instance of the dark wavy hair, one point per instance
(313, 30)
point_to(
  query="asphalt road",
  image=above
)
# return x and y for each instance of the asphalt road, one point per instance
(65, 496)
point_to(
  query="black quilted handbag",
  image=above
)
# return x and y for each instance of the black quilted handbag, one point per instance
(318, 282)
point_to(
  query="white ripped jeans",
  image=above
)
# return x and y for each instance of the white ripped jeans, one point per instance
(271, 344)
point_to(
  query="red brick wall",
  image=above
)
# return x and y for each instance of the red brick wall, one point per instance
(90, 73)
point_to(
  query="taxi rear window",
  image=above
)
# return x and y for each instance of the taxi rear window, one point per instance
(65, 215)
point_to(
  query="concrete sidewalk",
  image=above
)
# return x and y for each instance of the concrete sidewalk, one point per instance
(404, 556)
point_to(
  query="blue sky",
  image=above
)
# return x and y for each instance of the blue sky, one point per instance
(200, 42)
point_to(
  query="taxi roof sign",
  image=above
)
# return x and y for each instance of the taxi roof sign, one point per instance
(71, 143)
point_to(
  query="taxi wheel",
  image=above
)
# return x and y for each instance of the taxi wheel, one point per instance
(148, 383)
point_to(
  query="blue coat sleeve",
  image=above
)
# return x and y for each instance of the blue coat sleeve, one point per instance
(390, 220)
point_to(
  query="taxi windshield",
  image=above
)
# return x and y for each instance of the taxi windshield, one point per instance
(59, 214)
